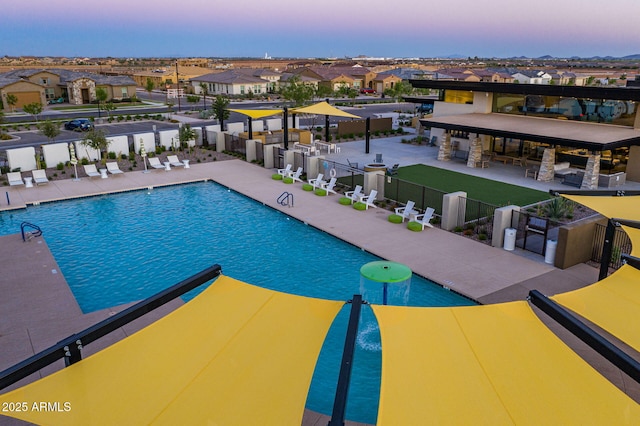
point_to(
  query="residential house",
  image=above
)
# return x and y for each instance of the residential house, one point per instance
(531, 77)
(240, 81)
(32, 85)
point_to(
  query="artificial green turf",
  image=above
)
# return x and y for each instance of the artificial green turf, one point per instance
(477, 188)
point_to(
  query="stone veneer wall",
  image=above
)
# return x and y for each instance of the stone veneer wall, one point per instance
(444, 151)
(546, 166)
(475, 152)
(591, 172)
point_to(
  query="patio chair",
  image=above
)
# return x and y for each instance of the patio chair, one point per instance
(91, 171)
(328, 186)
(114, 169)
(155, 163)
(173, 160)
(295, 176)
(15, 178)
(425, 218)
(407, 211)
(392, 171)
(355, 194)
(369, 199)
(352, 165)
(285, 171)
(40, 176)
(317, 181)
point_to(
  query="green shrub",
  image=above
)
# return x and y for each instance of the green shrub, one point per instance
(360, 206)
(414, 226)
(457, 229)
(276, 176)
(345, 201)
(482, 237)
(60, 166)
(111, 155)
(84, 161)
(395, 218)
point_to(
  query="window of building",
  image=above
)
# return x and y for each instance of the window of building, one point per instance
(125, 93)
(242, 89)
(458, 96)
(44, 80)
(50, 93)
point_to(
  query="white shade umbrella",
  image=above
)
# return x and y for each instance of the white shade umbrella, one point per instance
(143, 154)
(74, 161)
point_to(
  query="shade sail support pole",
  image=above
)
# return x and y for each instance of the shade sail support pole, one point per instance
(367, 134)
(607, 249)
(285, 137)
(340, 401)
(595, 341)
(326, 125)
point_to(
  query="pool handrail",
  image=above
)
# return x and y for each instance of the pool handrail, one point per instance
(70, 347)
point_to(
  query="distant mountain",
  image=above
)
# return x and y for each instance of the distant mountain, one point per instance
(594, 58)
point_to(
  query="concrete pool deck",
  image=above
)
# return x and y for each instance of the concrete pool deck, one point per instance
(40, 309)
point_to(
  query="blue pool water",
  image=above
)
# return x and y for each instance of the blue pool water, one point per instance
(122, 248)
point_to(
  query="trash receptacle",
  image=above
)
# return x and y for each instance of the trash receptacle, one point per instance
(509, 239)
(550, 254)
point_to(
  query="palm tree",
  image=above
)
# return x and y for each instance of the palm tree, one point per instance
(205, 92)
(220, 111)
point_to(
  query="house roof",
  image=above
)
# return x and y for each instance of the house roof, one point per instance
(67, 75)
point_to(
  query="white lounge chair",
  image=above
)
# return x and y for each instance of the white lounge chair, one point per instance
(295, 176)
(317, 182)
(113, 168)
(15, 178)
(285, 171)
(355, 194)
(173, 160)
(369, 199)
(91, 171)
(407, 211)
(155, 163)
(328, 186)
(40, 176)
(423, 219)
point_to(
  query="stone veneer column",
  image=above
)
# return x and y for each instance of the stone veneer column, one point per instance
(475, 152)
(444, 152)
(546, 166)
(591, 172)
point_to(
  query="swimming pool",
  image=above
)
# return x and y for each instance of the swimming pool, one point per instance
(125, 247)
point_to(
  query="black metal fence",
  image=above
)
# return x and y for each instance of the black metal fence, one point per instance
(347, 176)
(401, 191)
(532, 231)
(477, 216)
(621, 245)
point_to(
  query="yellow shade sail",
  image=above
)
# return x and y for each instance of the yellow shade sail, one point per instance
(613, 304)
(235, 355)
(322, 108)
(257, 113)
(487, 365)
(627, 207)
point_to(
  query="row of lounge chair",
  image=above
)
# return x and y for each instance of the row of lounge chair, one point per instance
(38, 176)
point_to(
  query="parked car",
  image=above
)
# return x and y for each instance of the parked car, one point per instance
(79, 125)
(366, 90)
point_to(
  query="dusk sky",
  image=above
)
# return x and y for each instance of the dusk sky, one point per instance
(330, 28)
